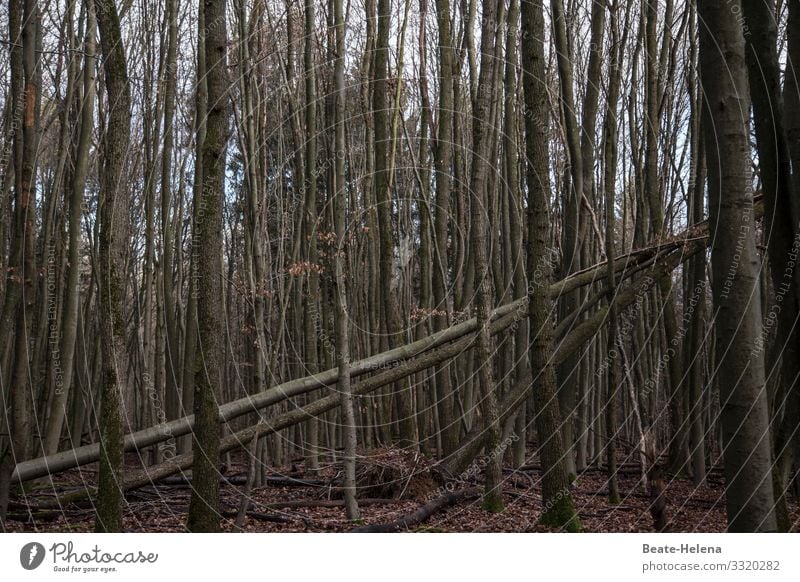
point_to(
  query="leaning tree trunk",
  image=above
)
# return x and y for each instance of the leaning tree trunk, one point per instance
(735, 269)
(114, 217)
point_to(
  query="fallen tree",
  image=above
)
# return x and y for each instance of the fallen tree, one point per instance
(658, 259)
(628, 265)
(422, 514)
(475, 440)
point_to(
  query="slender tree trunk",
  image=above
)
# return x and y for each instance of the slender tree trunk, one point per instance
(695, 302)
(18, 305)
(207, 232)
(190, 333)
(570, 244)
(58, 405)
(516, 251)
(173, 397)
(609, 187)
(482, 133)
(443, 161)
(342, 314)
(114, 217)
(311, 315)
(559, 509)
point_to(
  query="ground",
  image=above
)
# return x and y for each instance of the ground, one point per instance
(283, 505)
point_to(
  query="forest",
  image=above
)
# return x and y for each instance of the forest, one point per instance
(400, 265)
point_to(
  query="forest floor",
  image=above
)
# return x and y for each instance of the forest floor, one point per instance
(295, 502)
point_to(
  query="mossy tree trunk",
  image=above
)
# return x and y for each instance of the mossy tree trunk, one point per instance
(113, 243)
(559, 510)
(207, 233)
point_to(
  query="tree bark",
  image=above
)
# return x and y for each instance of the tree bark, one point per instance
(18, 305)
(443, 160)
(781, 228)
(559, 510)
(342, 314)
(735, 267)
(207, 233)
(114, 217)
(481, 140)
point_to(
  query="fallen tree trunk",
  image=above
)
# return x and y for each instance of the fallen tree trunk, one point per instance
(329, 503)
(473, 443)
(422, 514)
(458, 462)
(76, 457)
(151, 475)
(629, 264)
(242, 479)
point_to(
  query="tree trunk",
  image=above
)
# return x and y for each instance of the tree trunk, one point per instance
(559, 510)
(21, 278)
(113, 243)
(735, 267)
(780, 228)
(482, 133)
(443, 160)
(175, 407)
(570, 243)
(695, 302)
(609, 187)
(342, 315)
(207, 233)
(72, 300)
